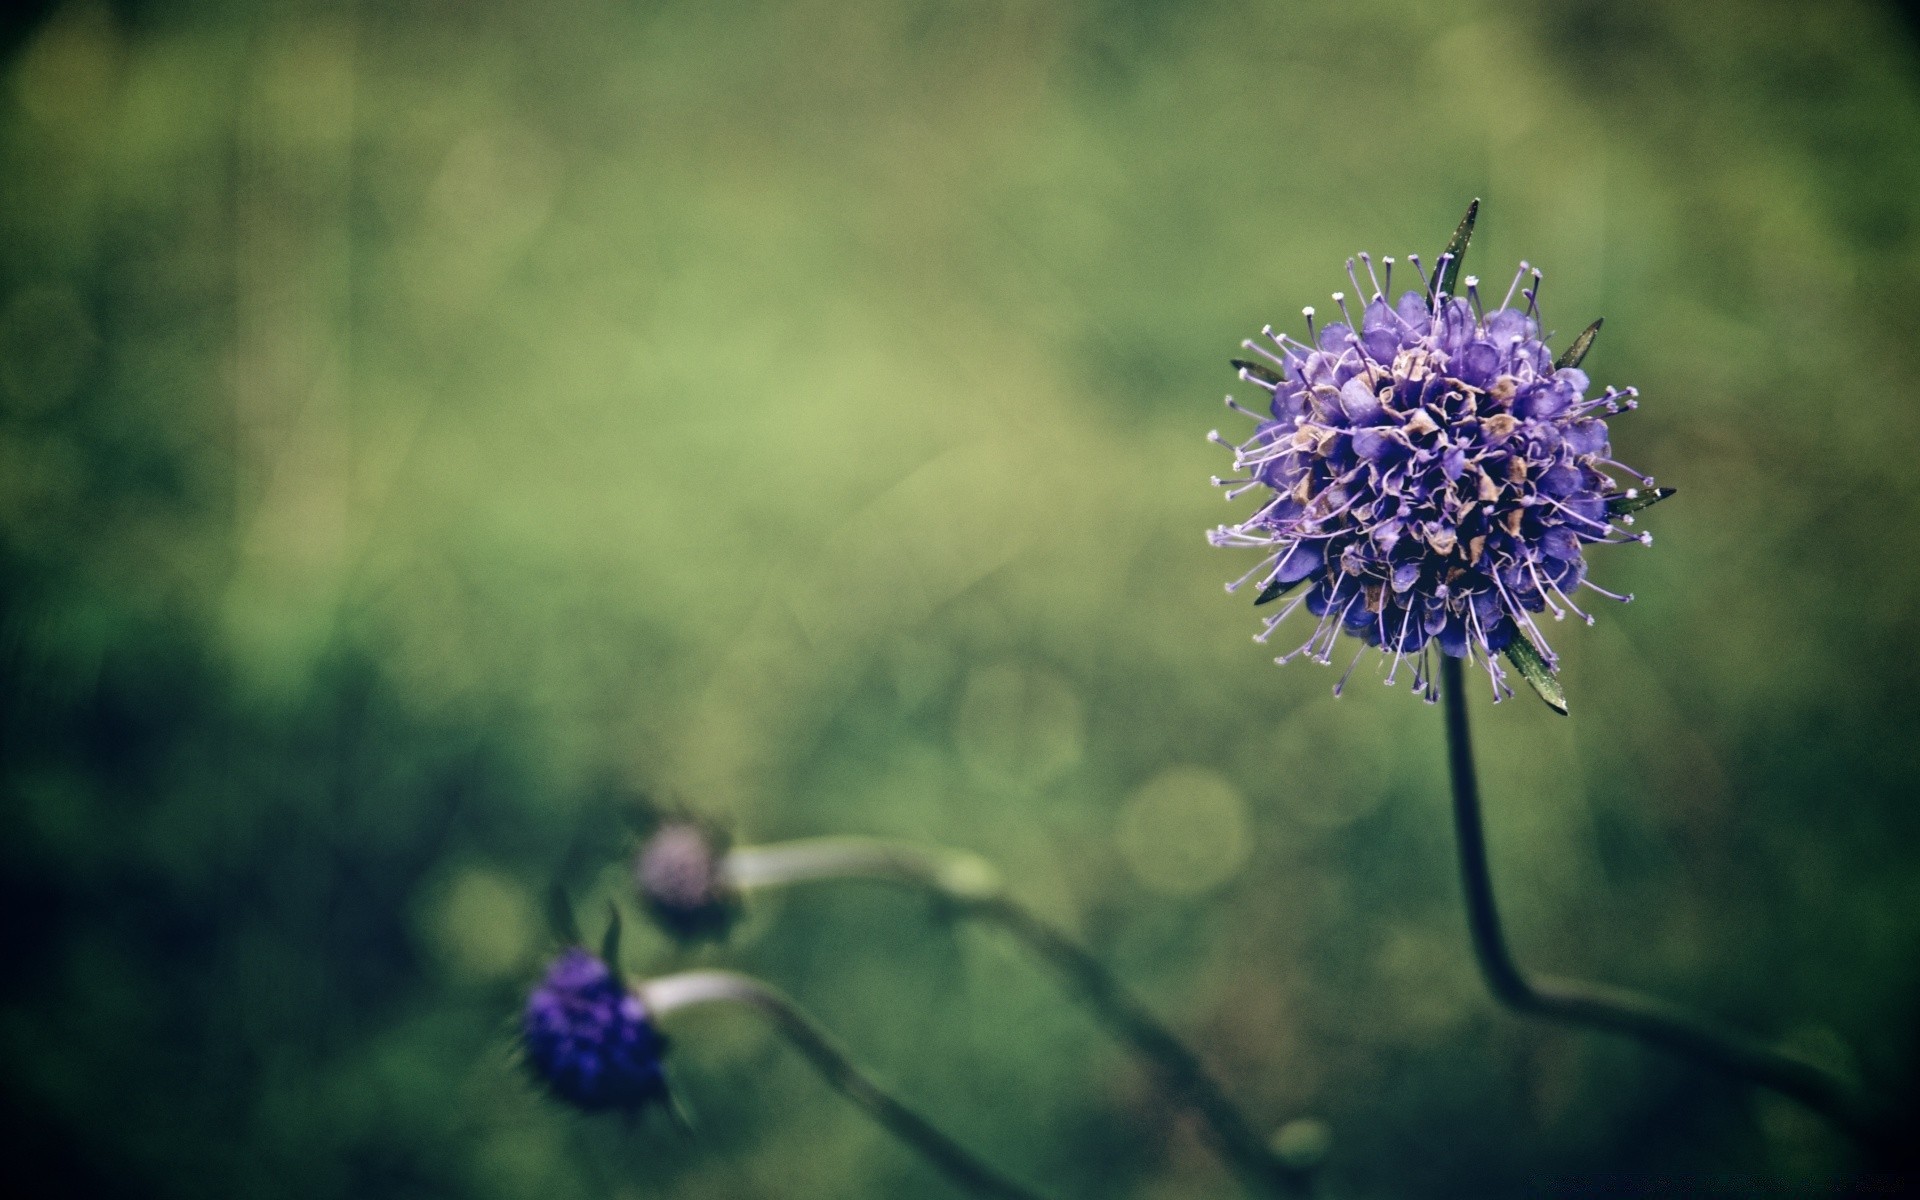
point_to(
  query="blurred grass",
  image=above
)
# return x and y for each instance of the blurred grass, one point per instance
(415, 416)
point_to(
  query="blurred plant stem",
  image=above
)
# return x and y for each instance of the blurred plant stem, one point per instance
(689, 989)
(973, 887)
(1616, 1009)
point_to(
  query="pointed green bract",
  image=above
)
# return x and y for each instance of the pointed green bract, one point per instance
(1576, 353)
(610, 941)
(560, 918)
(1446, 272)
(678, 1112)
(1534, 669)
(1634, 499)
(1274, 591)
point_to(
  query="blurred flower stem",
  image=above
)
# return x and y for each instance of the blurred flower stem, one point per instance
(671, 993)
(974, 888)
(1618, 1010)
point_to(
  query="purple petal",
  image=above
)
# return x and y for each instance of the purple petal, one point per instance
(1559, 543)
(1587, 437)
(1413, 309)
(1374, 444)
(1543, 401)
(1359, 403)
(1593, 509)
(1303, 560)
(1507, 326)
(1289, 402)
(1456, 327)
(1562, 480)
(1477, 364)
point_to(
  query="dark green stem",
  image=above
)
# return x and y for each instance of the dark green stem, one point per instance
(971, 886)
(1181, 1073)
(1617, 1010)
(818, 1047)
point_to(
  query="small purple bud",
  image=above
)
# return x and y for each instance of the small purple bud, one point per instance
(678, 874)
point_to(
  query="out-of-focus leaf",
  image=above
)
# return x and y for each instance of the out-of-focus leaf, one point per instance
(1446, 272)
(1574, 354)
(560, 918)
(1634, 499)
(1534, 669)
(610, 942)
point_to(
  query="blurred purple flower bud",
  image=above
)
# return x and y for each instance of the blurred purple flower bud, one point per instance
(589, 1040)
(678, 874)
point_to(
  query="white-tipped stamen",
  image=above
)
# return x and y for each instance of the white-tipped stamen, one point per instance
(1273, 622)
(1244, 411)
(1340, 302)
(1342, 685)
(1507, 300)
(1256, 348)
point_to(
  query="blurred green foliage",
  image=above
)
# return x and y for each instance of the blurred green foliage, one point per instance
(422, 424)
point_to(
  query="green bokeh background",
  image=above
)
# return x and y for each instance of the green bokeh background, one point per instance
(425, 425)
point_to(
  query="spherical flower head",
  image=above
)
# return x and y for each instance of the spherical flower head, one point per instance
(588, 1038)
(1430, 477)
(679, 876)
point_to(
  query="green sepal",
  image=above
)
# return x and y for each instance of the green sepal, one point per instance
(560, 918)
(1573, 355)
(1446, 272)
(1264, 374)
(610, 941)
(1634, 499)
(1274, 591)
(677, 1111)
(1533, 668)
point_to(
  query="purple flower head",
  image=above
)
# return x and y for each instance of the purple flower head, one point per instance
(588, 1038)
(1430, 475)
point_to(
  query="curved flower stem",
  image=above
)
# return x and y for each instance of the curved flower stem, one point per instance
(972, 886)
(1617, 1010)
(817, 1046)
